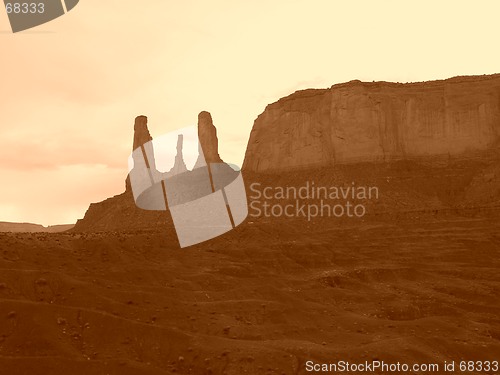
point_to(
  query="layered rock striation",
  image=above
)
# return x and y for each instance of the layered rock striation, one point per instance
(379, 121)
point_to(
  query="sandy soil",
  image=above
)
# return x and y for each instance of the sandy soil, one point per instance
(262, 299)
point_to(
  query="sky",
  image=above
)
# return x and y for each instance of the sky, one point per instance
(70, 89)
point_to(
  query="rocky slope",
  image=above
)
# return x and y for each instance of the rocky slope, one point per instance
(379, 121)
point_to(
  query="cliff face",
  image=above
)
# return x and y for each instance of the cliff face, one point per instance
(359, 121)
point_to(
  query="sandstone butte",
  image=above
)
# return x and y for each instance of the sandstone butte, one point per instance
(322, 132)
(380, 121)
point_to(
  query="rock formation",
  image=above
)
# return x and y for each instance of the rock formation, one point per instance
(141, 132)
(120, 212)
(379, 121)
(141, 136)
(179, 164)
(207, 135)
(438, 123)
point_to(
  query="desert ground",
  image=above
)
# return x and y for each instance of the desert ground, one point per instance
(263, 299)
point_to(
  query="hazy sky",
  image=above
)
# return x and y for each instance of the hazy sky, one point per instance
(70, 89)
